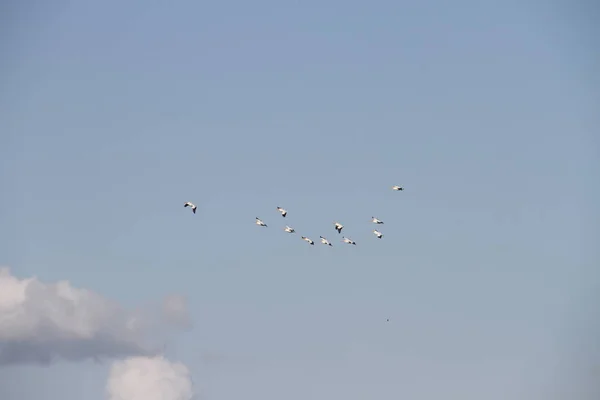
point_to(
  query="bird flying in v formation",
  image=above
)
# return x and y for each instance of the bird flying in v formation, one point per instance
(324, 241)
(190, 204)
(349, 241)
(308, 240)
(338, 227)
(259, 222)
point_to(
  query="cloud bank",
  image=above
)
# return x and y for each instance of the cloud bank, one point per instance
(41, 322)
(149, 378)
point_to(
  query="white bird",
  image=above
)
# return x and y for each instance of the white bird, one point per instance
(324, 241)
(378, 234)
(308, 240)
(397, 188)
(338, 227)
(259, 222)
(190, 204)
(376, 221)
(282, 211)
(289, 229)
(349, 241)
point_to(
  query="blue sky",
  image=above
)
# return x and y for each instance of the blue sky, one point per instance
(116, 113)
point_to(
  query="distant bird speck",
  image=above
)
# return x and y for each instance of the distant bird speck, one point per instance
(308, 240)
(397, 188)
(378, 234)
(338, 227)
(289, 229)
(376, 221)
(325, 241)
(349, 241)
(259, 222)
(190, 204)
(282, 211)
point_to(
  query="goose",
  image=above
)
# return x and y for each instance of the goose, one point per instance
(282, 211)
(376, 221)
(190, 204)
(378, 234)
(338, 227)
(289, 229)
(308, 240)
(259, 222)
(397, 188)
(349, 241)
(324, 241)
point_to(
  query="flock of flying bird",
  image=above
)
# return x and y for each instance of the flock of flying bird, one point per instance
(338, 227)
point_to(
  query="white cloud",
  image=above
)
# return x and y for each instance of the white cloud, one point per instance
(149, 378)
(43, 321)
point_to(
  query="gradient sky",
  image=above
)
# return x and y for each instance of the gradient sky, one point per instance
(113, 114)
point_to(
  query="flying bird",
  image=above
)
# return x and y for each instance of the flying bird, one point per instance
(259, 222)
(378, 234)
(397, 188)
(338, 227)
(376, 221)
(349, 241)
(282, 211)
(190, 204)
(324, 241)
(289, 229)
(308, 240)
